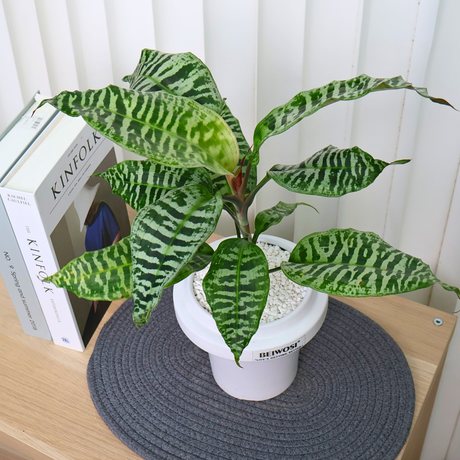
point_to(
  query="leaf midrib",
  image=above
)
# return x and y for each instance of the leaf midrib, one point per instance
(157, 82)
(291, 170)
(118, 267)
(343, 264)
(237, 290)
(176, 136)
(179, 228)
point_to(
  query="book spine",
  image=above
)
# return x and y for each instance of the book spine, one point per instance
(40, 260)
(18, 283)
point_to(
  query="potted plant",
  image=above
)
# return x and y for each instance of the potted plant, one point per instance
(199, 164)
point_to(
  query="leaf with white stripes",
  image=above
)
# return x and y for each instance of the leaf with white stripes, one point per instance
(141, 183)
(181, 74)
(164, 237)
(236, 288)
(243, 145)
(201, 259)
(308, 102)
(170, 130)
(356, 264)
(331, 172)
(104, 274)
(273, 216)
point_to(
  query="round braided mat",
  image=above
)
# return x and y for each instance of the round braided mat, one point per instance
(353, 397)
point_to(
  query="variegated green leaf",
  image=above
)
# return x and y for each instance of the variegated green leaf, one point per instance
(181, 74)
(236, 288)
(243, 145)
(356, 264)
(170, 130)
(235, 126)
(104, 274)
(201, 259)
(141, 183)
(308, 102)
(220, 184)
(273, 216)
(164, 237)
(331, 172)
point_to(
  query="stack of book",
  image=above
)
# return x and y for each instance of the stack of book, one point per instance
(52, 210)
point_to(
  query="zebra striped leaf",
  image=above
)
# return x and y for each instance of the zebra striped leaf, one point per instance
(164, 237)
(236, 288)
(235, 126)
(308, 102)
(356, 264)
(243, 145)
(220, 184)
(201, 259)
(273, 216)
(181, 74)
(104, 274)
(170, 130)
(331, 172)
(141, 183)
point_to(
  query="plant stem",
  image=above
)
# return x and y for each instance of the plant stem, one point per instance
(238, 215)
(252, 195)
(246, 231)
(232, 213)
(244, 185)
(273, 270)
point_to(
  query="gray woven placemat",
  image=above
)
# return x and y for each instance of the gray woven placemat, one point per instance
(353, 397)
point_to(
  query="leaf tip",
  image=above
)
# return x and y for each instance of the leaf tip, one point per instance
(401, 162)
(139, 323)
(52, 279)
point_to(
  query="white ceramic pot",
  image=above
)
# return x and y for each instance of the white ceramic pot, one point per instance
(269, 362)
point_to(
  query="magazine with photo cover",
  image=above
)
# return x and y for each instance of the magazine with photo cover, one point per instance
(58, 210)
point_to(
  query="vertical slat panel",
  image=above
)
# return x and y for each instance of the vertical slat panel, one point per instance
(27, 47)
(90, 38)
(130, 30)
(431, 194)
(130, 27)
(386, 47)
(280, 71)
(57, 44)
(11, 101)
(446, 156)
(231, 50)
(332, 38)
(421, 46)
(448, 267)
(179, 26)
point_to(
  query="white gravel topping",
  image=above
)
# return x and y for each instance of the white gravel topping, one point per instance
(284, 295)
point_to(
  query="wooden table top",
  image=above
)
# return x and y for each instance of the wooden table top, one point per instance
(46, 410)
